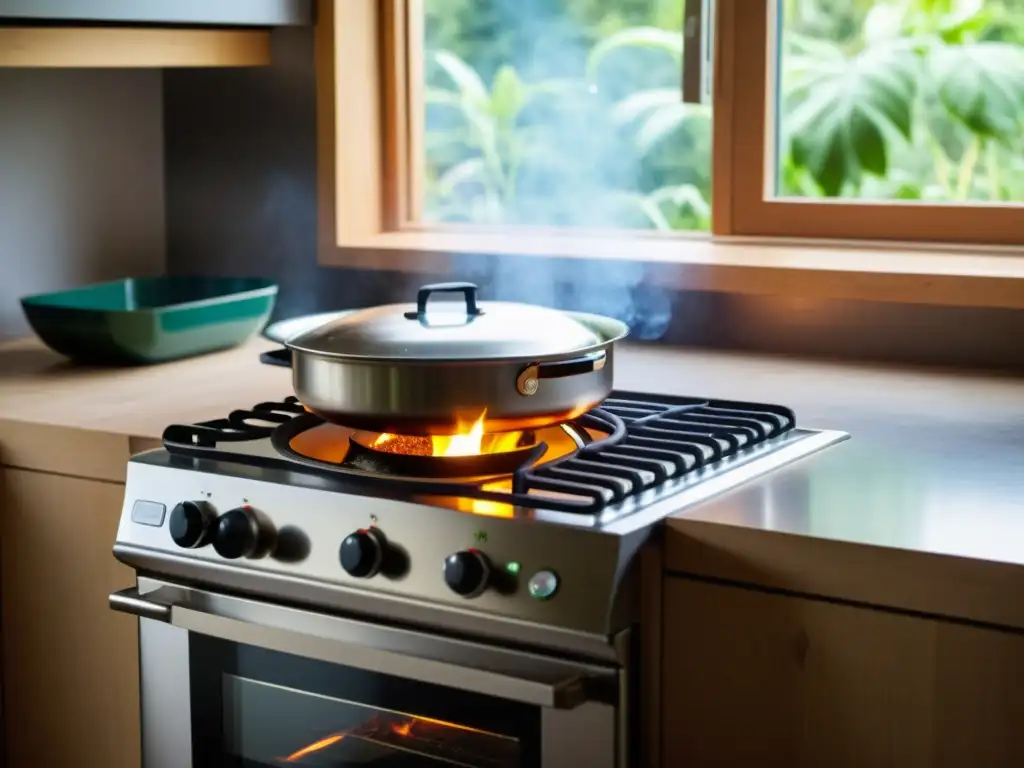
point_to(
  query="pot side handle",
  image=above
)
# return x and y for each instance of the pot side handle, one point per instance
(528, 381)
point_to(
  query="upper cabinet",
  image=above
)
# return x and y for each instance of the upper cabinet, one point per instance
(160, 33)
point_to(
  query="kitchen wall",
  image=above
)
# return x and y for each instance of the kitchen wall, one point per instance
(241, 199)
(81, 181)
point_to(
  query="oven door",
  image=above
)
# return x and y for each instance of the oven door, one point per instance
(230, 681)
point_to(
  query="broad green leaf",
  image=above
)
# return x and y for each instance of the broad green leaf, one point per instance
(982, 85)
(805, 57)
(470, 86)
(508, 94)
(635, 37)
(840, 117)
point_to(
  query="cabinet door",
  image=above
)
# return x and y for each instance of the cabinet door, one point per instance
(70, 664)
(752, 678)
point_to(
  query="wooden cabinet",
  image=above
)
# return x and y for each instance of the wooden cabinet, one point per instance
(155, 33)
(132, 47)
(753, 678)
(70, 665)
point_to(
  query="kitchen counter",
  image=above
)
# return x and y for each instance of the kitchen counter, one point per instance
(922, 509)
(58, 417)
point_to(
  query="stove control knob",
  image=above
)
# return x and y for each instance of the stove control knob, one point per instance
(190, 522)
(362, 553)
(237, 533)
(467, 573)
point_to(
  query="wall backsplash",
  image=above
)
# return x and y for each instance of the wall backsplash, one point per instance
(81, 181)
(241, 199)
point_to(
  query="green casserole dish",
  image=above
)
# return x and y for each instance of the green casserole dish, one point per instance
(150, 319)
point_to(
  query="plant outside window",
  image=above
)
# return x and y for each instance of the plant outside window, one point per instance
(570, 112)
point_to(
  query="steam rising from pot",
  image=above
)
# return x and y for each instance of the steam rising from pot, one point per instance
(530, 130)
(614, 289)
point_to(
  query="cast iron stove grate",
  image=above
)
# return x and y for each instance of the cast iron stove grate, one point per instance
(651, 439)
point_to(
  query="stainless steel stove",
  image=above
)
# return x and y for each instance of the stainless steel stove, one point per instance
(305, 599)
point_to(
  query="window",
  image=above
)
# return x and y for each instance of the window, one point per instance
(886, 119)
(559, 113)
(910, 101)
(589, 128)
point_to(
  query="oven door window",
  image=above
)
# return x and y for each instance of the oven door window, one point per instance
(254, 707)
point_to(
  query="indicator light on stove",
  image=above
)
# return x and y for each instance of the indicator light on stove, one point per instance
(543, 585)
(190, 522)
(237, 533)
(362, 553)
(512, 567)
(467, 573)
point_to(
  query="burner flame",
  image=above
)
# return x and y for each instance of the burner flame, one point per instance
(468, 441)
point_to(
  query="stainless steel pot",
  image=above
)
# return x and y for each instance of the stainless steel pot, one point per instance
(437, 367)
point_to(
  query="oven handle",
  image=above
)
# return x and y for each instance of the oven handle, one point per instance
(465, 665)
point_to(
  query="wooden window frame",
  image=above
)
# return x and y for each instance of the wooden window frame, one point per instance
(753, 210)
(368, 141)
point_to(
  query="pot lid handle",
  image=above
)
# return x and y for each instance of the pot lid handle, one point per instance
(468, 290)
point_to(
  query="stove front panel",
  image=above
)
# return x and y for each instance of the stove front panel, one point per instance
(548, 572)
(551, 575)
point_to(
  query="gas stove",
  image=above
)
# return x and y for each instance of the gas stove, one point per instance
(273, 503)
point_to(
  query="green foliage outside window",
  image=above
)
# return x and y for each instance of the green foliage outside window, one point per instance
(570, 113)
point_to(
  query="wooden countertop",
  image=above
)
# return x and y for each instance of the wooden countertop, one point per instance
(55, 416)
(39, 386)
(934, 470)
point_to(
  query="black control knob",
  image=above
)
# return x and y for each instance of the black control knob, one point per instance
(467, 573)
(237, 533)
(362, 553)
(190, 522)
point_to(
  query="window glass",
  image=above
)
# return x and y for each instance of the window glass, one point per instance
(908, 100)
(561, 113)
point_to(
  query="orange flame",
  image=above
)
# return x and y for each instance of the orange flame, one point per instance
(468, 441)
(486, 507)
(445, 724)
(463, 443)
(403, 729)
(316, 746)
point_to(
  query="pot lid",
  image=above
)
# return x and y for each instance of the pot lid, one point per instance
(462, 330)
